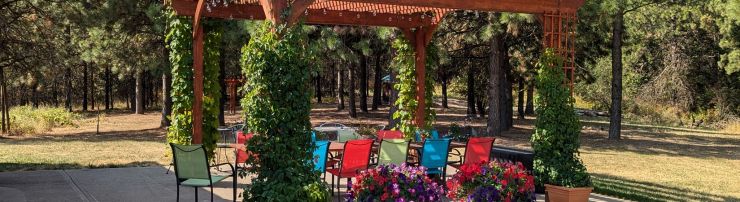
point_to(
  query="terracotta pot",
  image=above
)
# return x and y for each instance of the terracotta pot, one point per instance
(563, 194)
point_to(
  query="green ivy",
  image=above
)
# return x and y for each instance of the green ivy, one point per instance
(557, 129)
(179, 42)
(277, 107)
(404, 64)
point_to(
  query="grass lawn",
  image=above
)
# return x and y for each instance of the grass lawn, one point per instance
(649, 164)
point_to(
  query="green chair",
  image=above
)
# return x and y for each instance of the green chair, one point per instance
(393, 151)
(192, 170)
(346, 134)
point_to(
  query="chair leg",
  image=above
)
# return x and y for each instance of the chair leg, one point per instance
(332, 185)
(196, 193)
(178, 193)
(234, 186)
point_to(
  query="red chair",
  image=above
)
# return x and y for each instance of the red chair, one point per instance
(241, 155)
(389, 134)
(355, 158)
(478, 149)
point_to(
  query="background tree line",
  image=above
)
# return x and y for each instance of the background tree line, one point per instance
(682, 56)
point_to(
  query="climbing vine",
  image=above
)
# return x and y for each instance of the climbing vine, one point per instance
(277, 107)
(179, 42)
(404, 64)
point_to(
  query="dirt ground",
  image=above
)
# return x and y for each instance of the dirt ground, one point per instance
(649, 161)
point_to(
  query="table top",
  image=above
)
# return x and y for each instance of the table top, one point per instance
(330, 128)
(339, 146)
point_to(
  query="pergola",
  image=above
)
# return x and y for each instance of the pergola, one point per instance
(417, 19)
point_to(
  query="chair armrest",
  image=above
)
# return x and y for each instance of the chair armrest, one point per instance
(231, 166)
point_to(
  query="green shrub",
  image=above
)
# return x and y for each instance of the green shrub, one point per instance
(277, 106)
(557, 129)
(26, 120)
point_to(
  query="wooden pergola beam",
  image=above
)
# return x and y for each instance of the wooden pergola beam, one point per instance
(514, 6)
(315, 16)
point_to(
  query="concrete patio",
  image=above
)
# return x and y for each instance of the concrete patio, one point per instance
(116, 184)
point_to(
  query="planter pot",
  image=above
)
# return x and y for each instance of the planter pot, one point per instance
(563, 194)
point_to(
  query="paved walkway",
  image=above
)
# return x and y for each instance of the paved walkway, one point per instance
(115, 184)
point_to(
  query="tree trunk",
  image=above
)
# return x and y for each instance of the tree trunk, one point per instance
(4, 120)
(107, 97)
(166, 99)
(318, 88)
(529, 110)
(34, 95)
(55, 93)
(363, 83)
(471, 91)
(444, 94)
(68, 102)
(392, 101)
(507, 103)
(352, 94)
(340, 89)
(493, 125)
(615, 112)
(520, 99)
(84, 87)
(92, 90)
(139, 93)
(377, 88)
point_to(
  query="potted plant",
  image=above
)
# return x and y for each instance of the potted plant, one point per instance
(556, 138)
(394, 183)
(494, 181)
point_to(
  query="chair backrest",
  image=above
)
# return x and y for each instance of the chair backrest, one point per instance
(320, 154)
(434, 153)
(389, 134)
(478, 149)
(242, 138)
(435, 134)
(346, 134)
(356, 156)
(313, 136)
(190, 161)
(393, 151)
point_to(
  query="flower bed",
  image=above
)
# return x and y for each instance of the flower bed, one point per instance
(493, 181)
(395, 183)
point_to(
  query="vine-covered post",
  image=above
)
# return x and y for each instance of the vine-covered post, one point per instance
(420, 37)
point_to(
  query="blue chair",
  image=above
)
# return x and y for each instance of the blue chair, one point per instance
(320, 155)
(435, 134)
(434, 156)
(313, 136)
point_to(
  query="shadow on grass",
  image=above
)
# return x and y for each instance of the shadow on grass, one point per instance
(7, 167)
(645, 191)
(152, 135)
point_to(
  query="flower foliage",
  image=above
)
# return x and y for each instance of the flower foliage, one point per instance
(179, 42)
(404, 63)
(395, 183)
(277, 107)
(557, 129)
(494, 181)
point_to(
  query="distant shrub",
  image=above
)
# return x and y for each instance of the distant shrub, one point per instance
(26, 120)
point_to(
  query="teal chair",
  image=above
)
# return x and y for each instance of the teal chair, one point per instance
(192, 169)
(393, 151)
(320, 155)
(434, 156)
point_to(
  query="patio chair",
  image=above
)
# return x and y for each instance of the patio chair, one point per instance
(389, 134)
(393, 151)
(192, 170)
(346, 134)
(320, 156)
(356, 158)
(434, 156)
(477, 150)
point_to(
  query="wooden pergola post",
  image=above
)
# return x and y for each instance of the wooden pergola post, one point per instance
(198, 74)
(420, 38)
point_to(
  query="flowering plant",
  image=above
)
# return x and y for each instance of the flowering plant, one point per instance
(395, 183)
(495, 181)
